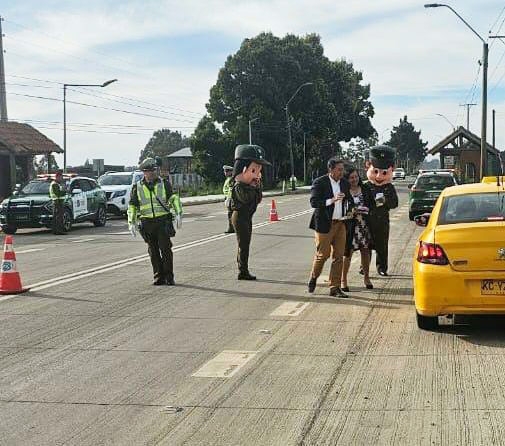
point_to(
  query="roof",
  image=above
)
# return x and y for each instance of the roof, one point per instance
(23, 139)
(182, 153)
(460, 131)
(473, 188)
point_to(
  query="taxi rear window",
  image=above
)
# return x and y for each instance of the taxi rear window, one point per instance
(471, 208)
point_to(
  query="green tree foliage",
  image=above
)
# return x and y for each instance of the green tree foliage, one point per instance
(211, 149)
(258, 81)
(163, 143)
(408, 144)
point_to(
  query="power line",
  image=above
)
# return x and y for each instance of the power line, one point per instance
(99, 107)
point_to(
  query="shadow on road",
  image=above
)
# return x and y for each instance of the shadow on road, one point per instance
(484, 330)
(313, 298)
(49, 296)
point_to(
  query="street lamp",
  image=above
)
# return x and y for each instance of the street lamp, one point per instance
(450, 123)
(250, 132)
(65, 113)
(485, 51)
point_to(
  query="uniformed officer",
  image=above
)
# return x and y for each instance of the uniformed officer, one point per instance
(228, 171)
(57, 193)
(151, 205)
(245, 196)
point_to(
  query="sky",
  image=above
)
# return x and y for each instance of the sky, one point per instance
(420, 63)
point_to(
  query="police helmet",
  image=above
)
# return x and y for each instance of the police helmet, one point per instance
(148, 164)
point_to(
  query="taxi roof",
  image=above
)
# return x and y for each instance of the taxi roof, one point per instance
(473, 188)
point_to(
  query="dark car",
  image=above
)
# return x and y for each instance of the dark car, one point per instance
(426, 190)
(31, 207)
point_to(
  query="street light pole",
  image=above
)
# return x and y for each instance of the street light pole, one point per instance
(291, 159)
(485, 51)
(250, 131)
(450, 123)
(65, 114)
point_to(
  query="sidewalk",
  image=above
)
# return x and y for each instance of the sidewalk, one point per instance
(206, 199)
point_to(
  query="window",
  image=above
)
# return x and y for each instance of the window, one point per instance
(36, 188)
(472, 208)
(436, 182)
(115, 180)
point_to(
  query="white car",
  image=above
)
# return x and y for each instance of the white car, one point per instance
(398, 174)
(117, 187)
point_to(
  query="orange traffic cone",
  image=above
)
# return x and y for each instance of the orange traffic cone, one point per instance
(10, 281)
(273, 212)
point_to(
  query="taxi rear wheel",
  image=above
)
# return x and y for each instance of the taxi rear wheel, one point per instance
(427, 322)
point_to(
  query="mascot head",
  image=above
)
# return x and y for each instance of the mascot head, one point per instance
(249, 161)
(381, 164)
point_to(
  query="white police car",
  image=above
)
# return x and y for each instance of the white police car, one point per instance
(117, 187)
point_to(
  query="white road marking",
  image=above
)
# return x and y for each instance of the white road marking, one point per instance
(82, 240)
(132, 260)
(26, 251)
(119, 233)
(290, 309)
(225, 364)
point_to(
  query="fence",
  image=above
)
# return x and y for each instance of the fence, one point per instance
(186, 180)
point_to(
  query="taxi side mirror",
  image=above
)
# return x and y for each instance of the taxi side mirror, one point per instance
(422, 220)
(76, 191)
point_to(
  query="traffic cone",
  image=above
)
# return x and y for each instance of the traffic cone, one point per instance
(273, 212)
(10, 281)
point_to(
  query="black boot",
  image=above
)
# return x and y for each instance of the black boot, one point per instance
(246, 275)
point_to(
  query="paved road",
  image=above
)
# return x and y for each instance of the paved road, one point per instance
(102, 357)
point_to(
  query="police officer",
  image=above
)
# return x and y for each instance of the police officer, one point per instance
(245, 196)
(57, 193)
(228, 170)
(150, 206)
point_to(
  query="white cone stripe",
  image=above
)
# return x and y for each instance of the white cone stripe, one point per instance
(8, 248)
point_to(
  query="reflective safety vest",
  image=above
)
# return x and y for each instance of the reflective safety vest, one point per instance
(227, 187)
(55, 191)
(149, 205)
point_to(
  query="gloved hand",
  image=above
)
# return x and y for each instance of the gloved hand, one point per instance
(178, 221)
(132, 227)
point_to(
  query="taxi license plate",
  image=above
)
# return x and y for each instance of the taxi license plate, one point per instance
(491, 287)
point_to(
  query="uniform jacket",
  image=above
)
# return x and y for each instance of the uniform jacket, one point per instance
(245, 198)
(320, 192)
(391, 200)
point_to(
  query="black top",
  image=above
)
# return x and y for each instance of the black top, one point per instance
(245, 198)
(390, 197)
(320, 192)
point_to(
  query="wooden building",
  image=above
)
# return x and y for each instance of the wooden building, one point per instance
(461, 151)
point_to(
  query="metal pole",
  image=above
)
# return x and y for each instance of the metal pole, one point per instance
(483, 142)
(291, 160)
(304, 162)
(494, 128)
(3, 97)
(250, 133)
(65, 128)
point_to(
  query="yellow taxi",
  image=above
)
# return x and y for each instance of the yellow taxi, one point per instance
(459, 259)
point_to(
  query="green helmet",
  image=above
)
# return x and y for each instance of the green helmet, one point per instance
(148, 164)
(251, 152)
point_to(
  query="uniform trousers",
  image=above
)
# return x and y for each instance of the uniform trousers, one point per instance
(331, 243)
(58, 217)
(379, 229)
(155, 233)
(242, 223)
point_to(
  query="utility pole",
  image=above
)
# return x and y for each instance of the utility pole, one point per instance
(304, 162)
(467, 114)
(250, 131)
(3, 96)
(494, 128)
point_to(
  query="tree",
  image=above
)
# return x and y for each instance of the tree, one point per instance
(163, 143)
(47, 163)
(258, 81)
(410, 148)
(211, 149)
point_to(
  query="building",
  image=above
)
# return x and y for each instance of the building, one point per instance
(179, 166)
(19, 144)
(461, 151)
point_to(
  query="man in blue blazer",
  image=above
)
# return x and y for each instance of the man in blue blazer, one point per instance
(332, 202)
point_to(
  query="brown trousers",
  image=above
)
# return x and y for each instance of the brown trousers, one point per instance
(332, 243)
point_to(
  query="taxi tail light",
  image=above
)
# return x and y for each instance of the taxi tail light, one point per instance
(431, 254)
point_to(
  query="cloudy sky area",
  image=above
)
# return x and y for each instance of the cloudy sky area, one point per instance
(166, 56)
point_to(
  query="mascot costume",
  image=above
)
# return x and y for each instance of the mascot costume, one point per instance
(380, 173)
(246, 194)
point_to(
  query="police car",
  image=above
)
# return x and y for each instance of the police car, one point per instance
(31, 206)
(117, 187)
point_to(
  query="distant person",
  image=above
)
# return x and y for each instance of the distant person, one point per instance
(331, 199)
(151, 204)
(358, 232)
(228, 171)
(245, 196)
(57, 193)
